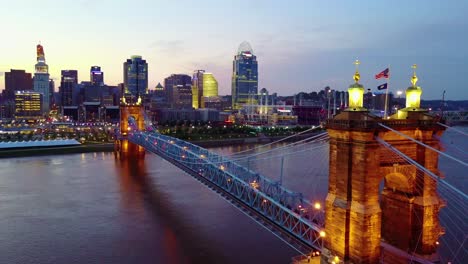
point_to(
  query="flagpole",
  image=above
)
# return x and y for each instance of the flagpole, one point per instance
(386, 93)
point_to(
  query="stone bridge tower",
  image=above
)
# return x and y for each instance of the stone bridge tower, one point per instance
(363, 223)
(134, 113)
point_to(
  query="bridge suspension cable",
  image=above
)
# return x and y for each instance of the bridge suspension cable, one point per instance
(425, 145)
(454, 216)
(419, 166)
(274, 142)
(452, 128)
(224, 160)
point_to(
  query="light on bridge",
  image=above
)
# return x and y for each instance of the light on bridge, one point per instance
(322, 233)
(336, 259)
(254, 184)
(185, 147)
(202, 156)
(222, 167)
(317, 206)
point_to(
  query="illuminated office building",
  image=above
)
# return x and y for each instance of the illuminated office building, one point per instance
(96, 75)
(16, 80)
(197, 88)
(68, 80)
(244, 76)
(210, 90)
(41, 79)
(178, 88)
(135, 77)
(28, 104)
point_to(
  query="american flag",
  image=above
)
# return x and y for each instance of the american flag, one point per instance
(383, 74)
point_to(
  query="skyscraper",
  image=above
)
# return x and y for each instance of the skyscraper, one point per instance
(178, 87)
(68, 80)
(244, 76)
(210, 90)
(96, 75)
(197, 88)
(135, 77)
(16, 80)
(41, 79)
(51, 93)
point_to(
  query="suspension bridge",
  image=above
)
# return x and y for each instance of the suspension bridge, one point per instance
(387, 200)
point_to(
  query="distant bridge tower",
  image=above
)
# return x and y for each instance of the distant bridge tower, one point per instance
(360, 227)
(134, 114)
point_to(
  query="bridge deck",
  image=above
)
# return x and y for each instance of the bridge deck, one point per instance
(285, 213)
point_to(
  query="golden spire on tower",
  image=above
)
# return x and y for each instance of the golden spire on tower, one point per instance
(414, 79)
(356, 75)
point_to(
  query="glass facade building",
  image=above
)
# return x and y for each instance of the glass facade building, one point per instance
(244, 76)
(210, 89)
(197, 88)
(96, 75)
(68, 80)
(178, 87)
(135, 77)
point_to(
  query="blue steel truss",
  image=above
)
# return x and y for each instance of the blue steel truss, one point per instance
(287, 209)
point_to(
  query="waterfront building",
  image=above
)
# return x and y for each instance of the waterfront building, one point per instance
(41, 79)
(16, 80)
(68, 79)
(244, 76)
(178, 88)
(135, 72)
(197, 88)
(28, 104)
(96, 75)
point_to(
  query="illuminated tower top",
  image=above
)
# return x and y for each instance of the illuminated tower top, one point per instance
(413, 93)
(41, 66)
(245, 48)
(40, 53)
(356, 92)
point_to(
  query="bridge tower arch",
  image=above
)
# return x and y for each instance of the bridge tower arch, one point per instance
(134, 112)
(362, 224)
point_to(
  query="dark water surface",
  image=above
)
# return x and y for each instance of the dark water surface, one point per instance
(92, 208)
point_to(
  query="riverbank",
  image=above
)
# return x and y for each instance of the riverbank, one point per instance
(109, 147)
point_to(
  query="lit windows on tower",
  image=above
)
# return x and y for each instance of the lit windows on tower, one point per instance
(244, 76)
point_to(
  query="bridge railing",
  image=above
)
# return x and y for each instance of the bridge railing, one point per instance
(285, 208)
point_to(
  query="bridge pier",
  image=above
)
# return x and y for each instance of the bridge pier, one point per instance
(122, 147)
(401, 224)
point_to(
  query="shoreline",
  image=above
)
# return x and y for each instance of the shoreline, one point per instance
(109, 147)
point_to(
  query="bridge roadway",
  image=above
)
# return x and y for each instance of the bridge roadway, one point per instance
(284, 213)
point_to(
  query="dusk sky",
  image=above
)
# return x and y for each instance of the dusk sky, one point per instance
(300, 45)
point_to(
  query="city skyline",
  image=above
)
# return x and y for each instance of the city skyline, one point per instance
(300, 47)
